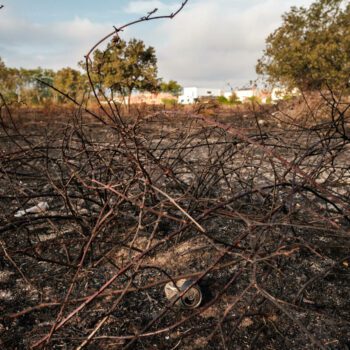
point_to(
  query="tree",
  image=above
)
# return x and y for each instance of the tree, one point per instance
(234, 99)
(8, 82)
(26, 85)
(3, 76)
(172, 87)
(41, 92)
(311, 49)
(2, 65)
(125, 67)
(70, 81)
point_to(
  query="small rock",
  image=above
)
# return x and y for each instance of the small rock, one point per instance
(6, 295)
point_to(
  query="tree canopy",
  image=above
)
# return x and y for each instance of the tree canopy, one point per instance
(311, 49)
(70, 81)
(172, 87)
(124, 67)
(24, 85)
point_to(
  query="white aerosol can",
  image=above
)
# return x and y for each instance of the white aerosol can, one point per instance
(190, 300)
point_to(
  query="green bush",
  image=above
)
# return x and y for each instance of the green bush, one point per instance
(169, 102)
(223, 100)
(234, 99)
(255, 99)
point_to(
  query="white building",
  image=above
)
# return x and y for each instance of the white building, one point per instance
(278, 94)
(244, 94)
(228, 94)
(192, 94)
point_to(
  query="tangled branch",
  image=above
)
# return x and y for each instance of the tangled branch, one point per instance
(256, 216)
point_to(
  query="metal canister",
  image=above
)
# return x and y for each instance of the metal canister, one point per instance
(190, 300)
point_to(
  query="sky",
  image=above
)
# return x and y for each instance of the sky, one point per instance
(211, 43)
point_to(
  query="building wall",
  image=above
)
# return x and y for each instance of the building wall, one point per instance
(209, 92)
(149, 98)
(228, 95)
(278, 94)
(245, 94)
(191, 94)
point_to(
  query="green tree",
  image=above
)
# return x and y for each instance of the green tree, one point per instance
(125, 67)
(70, 81)
(26, 85)
(172, 87)
(3, 71)
(9, 80)
(234, 99)
(41, 92)
(311, 49)
(223, 100)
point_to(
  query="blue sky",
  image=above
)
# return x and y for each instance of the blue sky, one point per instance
(211, 43)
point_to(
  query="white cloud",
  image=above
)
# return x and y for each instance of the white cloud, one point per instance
(51, 45)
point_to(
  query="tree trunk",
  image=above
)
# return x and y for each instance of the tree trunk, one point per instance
(129, 99)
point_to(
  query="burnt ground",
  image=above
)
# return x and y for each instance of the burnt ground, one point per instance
(257, 215)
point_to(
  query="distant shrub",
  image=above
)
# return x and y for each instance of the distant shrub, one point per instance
(254, 99)
(234, 99)
(269, 100)
(287, 97)
(223, 100)
(169, 102)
